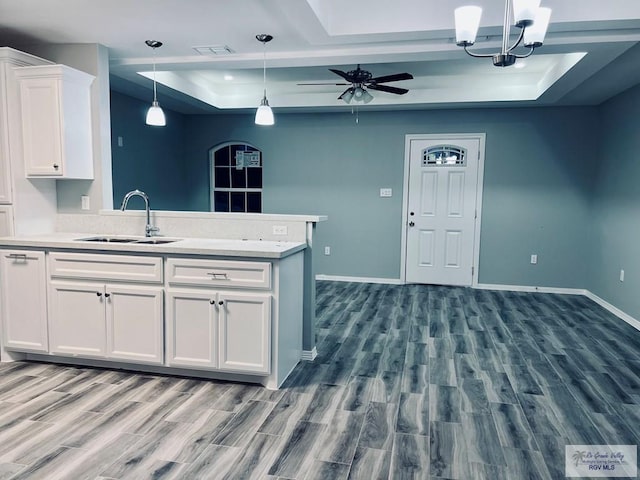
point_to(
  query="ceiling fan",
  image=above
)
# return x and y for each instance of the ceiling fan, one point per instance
(360, 80)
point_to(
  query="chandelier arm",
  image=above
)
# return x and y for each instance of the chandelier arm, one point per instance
(525, 55)
(477, 55)
(517, 42)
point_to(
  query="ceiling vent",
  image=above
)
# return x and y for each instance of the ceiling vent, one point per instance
(214, 50)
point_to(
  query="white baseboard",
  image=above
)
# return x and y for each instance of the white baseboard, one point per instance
(309, 355)
(615, 310)
(338, 278)
(531, 289)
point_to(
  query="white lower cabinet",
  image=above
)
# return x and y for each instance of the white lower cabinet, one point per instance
(100, 307)
(245, 332)
(237, 319)
(23, 300)
(106, 321)
(135, 316)
(219, 330)
(77, 319)
(192, 329)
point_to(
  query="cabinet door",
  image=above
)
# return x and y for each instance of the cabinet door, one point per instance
(134, 323)
(77, 319)
(245, 332)
(6, 221)
(23, 298)
(5, 172)
(42, 126)
(192, 329)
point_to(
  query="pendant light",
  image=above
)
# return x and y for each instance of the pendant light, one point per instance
(155, 115)
(264, 114)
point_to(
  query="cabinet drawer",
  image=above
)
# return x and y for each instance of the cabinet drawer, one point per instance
(105, 267)
(218, 273)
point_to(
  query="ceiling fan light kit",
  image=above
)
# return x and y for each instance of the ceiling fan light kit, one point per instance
(528, 16)
(360, 80)
(264, 114)
(155, 115)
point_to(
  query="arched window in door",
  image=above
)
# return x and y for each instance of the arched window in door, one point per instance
(236, 178)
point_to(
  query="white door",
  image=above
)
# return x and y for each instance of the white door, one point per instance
(135, 323)
(76, 319)
(441, 209)
(23, 300)
(245, 332)
(192, 329)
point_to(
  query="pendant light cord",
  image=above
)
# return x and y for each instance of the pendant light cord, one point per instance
(264, 67)
(155, 97)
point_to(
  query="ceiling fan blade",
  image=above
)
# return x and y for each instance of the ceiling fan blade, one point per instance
(392, 78)
(342, 74)
(388, 89)
(323, 83)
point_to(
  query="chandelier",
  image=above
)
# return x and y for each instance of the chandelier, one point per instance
(528, 16)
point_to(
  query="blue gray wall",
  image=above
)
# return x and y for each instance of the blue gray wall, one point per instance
(616, 205)
(538, 184)
(151, 158)
(538, 171)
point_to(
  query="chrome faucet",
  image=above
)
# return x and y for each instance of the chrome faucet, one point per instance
(149, 230)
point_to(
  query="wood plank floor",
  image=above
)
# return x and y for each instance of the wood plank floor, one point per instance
(410, 382)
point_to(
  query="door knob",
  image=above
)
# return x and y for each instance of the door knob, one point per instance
(220, 302)
(411, 224)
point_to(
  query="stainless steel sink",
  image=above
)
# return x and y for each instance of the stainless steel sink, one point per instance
(116, 239)
(157, 241)
(108, 239)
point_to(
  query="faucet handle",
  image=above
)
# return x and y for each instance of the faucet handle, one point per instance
(150, 230)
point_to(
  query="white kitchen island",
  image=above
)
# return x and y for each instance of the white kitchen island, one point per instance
(227, 309)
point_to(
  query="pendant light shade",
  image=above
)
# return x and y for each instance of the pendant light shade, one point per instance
(264, 114)
(467, 20)
(155, 115)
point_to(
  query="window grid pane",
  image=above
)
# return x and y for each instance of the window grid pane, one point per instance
(237, 179)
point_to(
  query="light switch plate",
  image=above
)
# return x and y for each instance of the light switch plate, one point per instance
(386, 192)
(84, 200)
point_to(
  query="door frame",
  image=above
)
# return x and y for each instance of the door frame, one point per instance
(479, 189)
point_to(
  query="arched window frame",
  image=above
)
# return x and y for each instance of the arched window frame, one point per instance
(241, 183)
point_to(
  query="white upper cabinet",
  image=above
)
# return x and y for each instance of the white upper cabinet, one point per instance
(56, 121)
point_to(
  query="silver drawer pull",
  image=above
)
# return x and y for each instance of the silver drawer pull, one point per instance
(218, 275)
(18, 256)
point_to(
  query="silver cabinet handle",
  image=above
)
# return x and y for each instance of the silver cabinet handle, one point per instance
(218, 275)
(18, 256)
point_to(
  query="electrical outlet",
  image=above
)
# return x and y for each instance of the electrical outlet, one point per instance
(534, 259)
(622, 275)
(327, 250)
(280, 230)
(84, 200)
(386, 192)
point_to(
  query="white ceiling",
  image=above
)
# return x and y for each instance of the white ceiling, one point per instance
(591, 52)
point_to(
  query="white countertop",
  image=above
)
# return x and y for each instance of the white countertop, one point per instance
(183, 246)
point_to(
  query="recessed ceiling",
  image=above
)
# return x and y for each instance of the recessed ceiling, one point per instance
(415, 36)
